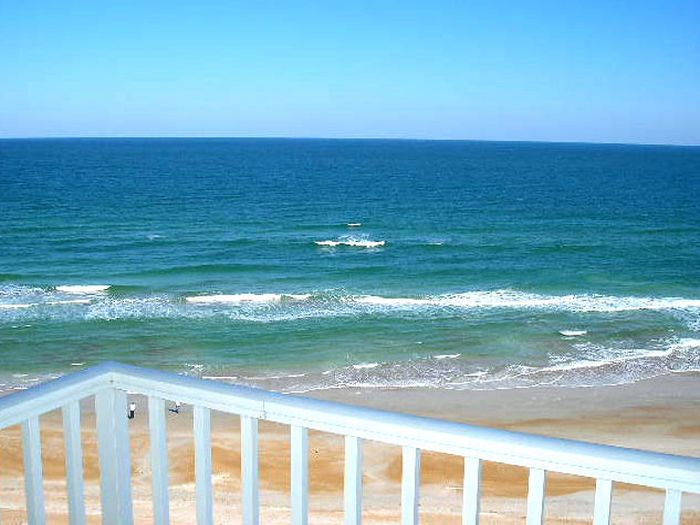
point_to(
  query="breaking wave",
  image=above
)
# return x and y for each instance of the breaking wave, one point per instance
(245, 298)
(83, 289)
(512, 299)
(586, 366)
(351, 241)
(18, 302)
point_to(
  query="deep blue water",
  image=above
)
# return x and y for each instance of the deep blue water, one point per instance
(489, 251)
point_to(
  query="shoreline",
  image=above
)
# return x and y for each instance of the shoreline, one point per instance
(657, 414)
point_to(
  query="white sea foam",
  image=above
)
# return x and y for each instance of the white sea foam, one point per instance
(390, 301)
(446, 356)
(245, 298)
(352, 242)
(19, 303)
(587, 365)
(573, 333)
(16, 306)
(354, 224)
(522, 300)
(686, 343)
(83, 289)
(365, 365)
(70, 301)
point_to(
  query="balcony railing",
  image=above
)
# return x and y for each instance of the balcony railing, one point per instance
(110, 382)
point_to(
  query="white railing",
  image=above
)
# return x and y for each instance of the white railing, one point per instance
(110, 382)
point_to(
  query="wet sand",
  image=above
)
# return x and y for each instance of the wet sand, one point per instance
(662, 414)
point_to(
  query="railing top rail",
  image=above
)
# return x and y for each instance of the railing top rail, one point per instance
(517, 448)
(48, 396)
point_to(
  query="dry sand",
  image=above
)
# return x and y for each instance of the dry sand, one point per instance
(661, 414)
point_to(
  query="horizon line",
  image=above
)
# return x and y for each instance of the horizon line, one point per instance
(368, 138)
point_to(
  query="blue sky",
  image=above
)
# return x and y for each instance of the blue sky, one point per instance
(600, 71)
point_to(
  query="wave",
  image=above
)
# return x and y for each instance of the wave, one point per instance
(69, 301)
(12, 306)
(363, 366)
(19, 301)
(83, 289)
(511, 299)
(588, 366)
(585, 365)
(352, 243)
(245, 298)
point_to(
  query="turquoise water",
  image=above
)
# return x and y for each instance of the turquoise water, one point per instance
(234, 258)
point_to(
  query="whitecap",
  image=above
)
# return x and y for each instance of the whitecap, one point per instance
(354, 243)
(365, 365)
(16, 305)
(245, 298)
(446, 356)
(513, 299)
(573, 333)
(365, 244)
(83, 288)
(354, 224)
(390, 301)
(70, 301)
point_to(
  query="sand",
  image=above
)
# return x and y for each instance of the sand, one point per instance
(661, 414)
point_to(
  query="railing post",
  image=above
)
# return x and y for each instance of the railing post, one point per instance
(299, 444)
(74, 463)
(672, 507)
(535, 497)
(602, 501)
(114, 457)
(471, 491)
(33, 476)
(159, 460)
(249, 470)
(353, 481)
(202, 465)
(410, 482)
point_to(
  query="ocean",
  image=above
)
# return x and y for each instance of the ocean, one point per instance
(300, 265)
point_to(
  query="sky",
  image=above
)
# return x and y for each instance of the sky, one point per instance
(584, 71)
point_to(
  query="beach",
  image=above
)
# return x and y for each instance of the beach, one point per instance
(656, 414)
